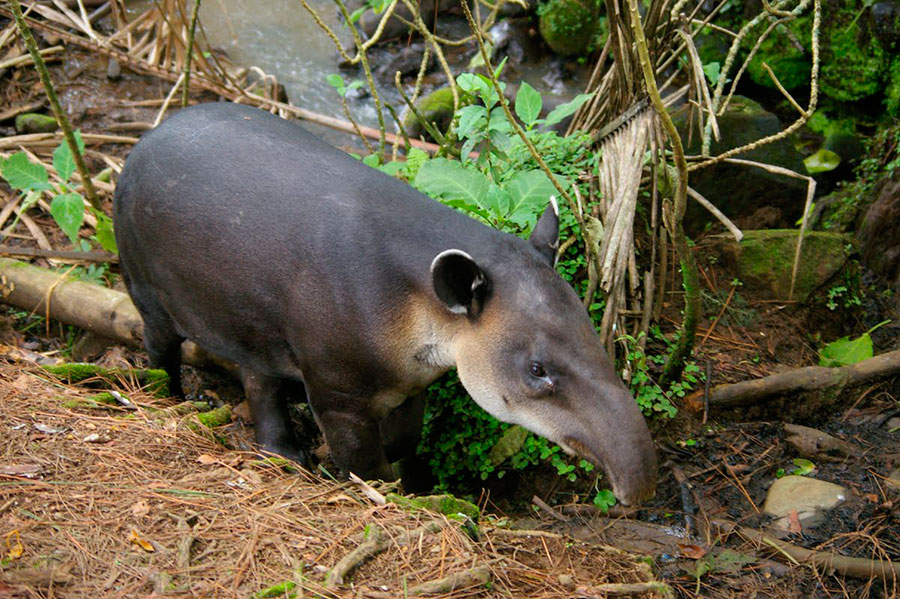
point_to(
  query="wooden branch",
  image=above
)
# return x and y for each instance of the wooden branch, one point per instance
(856, 567)
(810, 378)
(67, 255)
(103, 311)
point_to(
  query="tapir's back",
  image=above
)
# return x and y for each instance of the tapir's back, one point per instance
(230, 216)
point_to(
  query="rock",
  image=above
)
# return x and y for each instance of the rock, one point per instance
(892, 482)
(739, 190)
(878, 238)
(33, 122)
(436, 107)
(516, 39)
(884, 23)
(892, 423)
(809, 497)
(407, 60)
(568, 26)
(113, 70)
(764, 260)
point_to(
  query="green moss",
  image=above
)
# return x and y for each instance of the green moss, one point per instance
(215, 418)
(826, 122)
(850, 70)
(892, 91)
(33, 122)
(436, 107)
(282, 589)
(448, 505)
(790, 64)
(569, 26)
(764, 260)
(153, 380)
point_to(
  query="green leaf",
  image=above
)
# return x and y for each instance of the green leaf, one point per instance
(373, 160)
(846, 351)
(356, 14)
(392, 168)
(448, 180)
(105, 234)
(803, 467)
(63, 161)
(529, 193)
(711, 70)
(821, 162)
(471, 118)
(604, 500)
(501, 141)
(563, 110)
(67, 209)
(496, 201)
(337, 82)
(528, 104)
(468, 145)
(24, 175)
(498, 121)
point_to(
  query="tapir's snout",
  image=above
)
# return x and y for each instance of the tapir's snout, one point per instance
(619, 442)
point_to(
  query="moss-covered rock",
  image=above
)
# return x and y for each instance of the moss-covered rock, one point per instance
(33, 122)
(436, 107)
(851, 69)
(569, 26)
(764, 260)
(790, 64)
(448, 505)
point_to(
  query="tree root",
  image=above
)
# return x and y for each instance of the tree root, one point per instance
(601, 591)
(376, 541)
(855, 567)
(810, 378)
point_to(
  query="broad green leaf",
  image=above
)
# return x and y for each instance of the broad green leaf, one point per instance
(803, 467)
(508, 444)
(529, 193)
(468, 82)
(392, 168)
(449, 180)
(496, 201)
(711, 70)
(499, 122)
(477, 61)
(604, 500)
(415, 158)
(528, 104)
(471, 118)
(67, 209)
(469, 145)
(373, 160)
(563, 110)
(821, 162)
(24, 175)
(63, 161)
(356, 14)
(105, 234)
(846, 351)
(501, 141)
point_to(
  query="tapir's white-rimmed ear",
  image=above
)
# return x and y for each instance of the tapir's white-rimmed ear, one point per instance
(545, 237)
(459, 282)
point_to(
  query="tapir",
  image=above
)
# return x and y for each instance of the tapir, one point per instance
(319, 275)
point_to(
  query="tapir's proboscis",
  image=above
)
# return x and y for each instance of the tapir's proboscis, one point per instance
(319, 275)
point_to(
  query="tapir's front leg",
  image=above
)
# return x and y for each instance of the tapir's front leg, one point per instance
(267, 397)
(353, 436)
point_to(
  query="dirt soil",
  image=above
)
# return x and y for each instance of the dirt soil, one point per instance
(104, 500)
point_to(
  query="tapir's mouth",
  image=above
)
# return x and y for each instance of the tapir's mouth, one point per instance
(582, 450)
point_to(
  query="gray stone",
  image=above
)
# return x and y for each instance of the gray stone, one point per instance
(739, 190)
(807, 496)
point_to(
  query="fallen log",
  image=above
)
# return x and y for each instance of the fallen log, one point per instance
(104, 312)
(809, 378)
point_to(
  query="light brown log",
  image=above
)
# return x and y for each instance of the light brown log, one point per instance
(105, 312)
(810, 378)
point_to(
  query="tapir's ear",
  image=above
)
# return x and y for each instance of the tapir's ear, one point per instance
(459, 282)
(545, 237)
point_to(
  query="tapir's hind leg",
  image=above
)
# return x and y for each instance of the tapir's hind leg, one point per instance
(401, 428)
(161, 339)
(268, 399)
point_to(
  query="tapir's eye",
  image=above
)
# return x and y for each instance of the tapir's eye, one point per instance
(537, 370)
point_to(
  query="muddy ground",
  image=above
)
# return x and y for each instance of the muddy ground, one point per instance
(725, 465)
